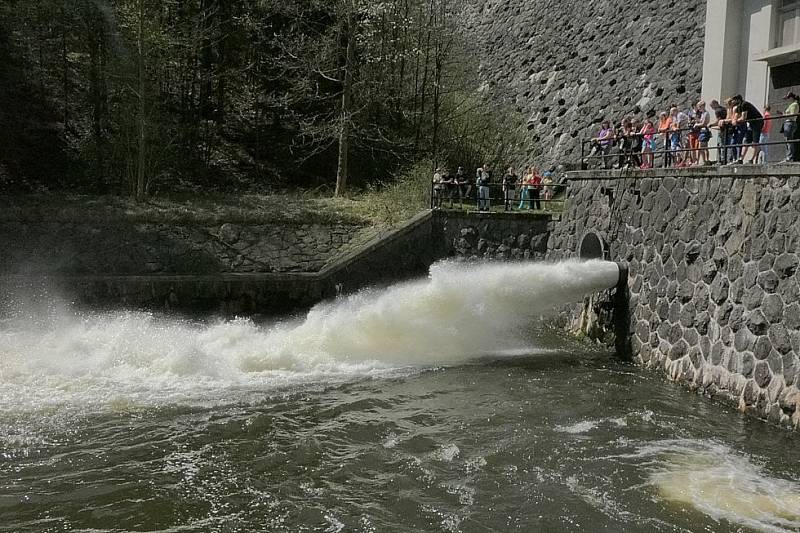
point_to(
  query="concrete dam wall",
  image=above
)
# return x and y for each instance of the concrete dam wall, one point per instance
(567, 64)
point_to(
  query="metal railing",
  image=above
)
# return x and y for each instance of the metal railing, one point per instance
(726, 136)
(546, 197)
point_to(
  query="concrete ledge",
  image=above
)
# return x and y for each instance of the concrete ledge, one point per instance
(732, 171)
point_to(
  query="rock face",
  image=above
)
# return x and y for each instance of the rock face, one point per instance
(713, 278)
(568, 64)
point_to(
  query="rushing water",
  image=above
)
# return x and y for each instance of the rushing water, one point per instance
(432, 406)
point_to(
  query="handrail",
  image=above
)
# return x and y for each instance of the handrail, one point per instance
(710, 125)
(722, 149)
(452, 193)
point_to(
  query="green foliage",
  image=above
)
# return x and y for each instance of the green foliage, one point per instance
(237, 95)
(391, 202)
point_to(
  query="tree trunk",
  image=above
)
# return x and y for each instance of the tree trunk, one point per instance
(347, 104)
(65, 66)
(140, 170)
(97, 83)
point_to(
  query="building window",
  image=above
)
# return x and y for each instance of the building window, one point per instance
(788, 22)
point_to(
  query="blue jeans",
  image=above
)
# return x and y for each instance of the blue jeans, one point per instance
(483, 197)
(524, 198)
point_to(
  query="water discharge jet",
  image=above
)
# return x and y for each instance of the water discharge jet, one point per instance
(460, 312)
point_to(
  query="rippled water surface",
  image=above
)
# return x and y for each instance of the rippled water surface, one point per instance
(547, 442)
(470, 420)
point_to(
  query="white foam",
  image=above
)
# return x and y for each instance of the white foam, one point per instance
(124, 360)
(723, 484)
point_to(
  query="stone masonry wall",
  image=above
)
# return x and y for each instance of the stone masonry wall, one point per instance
(125, 248)
(567, 64)
(496, 236)
(713, 276)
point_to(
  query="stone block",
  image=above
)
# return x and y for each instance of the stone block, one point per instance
(678, 350)
(768, 281)
(757, 322)
(775, 362)
(785, 265)
(772, 307)
(791, 316)
(743, 340)
(719, 290)
(753, 297)
(762, 348)
(762, 374)
(748, 364)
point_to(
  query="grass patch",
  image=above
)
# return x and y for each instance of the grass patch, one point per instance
(384, 205)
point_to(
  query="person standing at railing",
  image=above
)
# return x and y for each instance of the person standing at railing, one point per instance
(702, 119)
(483, 181)
(547, 182)
(752, 122)
(606, 138)
(648, 133)
(764, 155)
(524, 190)
(509, 189)
(438, 189)
(680, 121)
(637, 144)
(464, 187)
(450, 186)
(736, 132)
(720, 116)
(536, 187)
(664, 128)
(790, 127)
(625, 142)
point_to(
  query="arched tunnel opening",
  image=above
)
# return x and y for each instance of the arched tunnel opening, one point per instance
(594, 247)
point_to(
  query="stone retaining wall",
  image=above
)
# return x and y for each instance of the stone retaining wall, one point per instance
(390, 255)
(124, 248)
(714, 282)
(500, 236)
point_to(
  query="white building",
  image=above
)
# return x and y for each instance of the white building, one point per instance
(752, 48)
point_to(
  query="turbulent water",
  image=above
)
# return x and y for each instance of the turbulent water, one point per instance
(437, 405)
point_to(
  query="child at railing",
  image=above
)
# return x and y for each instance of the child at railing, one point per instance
(648, 132)
(547, 181)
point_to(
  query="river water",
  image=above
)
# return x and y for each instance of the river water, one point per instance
(438, 405)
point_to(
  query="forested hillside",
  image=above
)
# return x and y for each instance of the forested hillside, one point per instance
(145, 96)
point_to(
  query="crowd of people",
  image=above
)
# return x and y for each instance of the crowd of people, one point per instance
(527, 191)
(743, 133)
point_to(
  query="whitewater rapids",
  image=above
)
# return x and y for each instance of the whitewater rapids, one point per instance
(458, 313)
